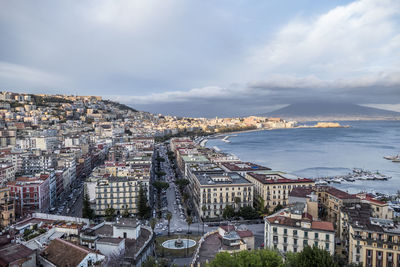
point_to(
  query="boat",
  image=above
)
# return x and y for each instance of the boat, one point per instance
(396, 160)
(397, 157)
(225, 139)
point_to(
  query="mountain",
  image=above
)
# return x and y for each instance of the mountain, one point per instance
(331, 111)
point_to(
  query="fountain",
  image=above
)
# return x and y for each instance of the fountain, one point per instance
(179, 243)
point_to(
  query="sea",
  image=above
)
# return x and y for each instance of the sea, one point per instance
(321, 152)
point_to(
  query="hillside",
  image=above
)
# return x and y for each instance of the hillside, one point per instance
(331, 111)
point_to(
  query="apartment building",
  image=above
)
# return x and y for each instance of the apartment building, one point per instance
(292, 232)
(374, 242)
(7, 173)
(274, 187)
(7, 211)
(215, 191)
(30, 194)
(120, 193)
(380, 209)
(332, 200)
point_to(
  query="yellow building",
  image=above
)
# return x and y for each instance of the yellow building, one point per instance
(274, 188)
(380, 209)
(332, 200)
(7, 212)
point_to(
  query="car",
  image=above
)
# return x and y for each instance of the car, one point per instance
(179, 230)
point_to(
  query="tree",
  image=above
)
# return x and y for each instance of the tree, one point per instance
(189, 221)
(126, 213)
(260, 205)
(153, 223)
(109, 212)
(237, 201)
(277, 208)
(204, 209)
(310, 257)
(245, 258)
(169, 217)
(144, 210)
(228, 212)
(248, 213)
(87, 211)
(181, 183)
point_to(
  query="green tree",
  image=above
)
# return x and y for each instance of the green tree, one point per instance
(260, 205)
(181, 183)
(237, 201)
(169, 217)
(189, 221)
(228, 212)
(256, 258)
(160, 186)
(109, 213)
(153, 223)
(144, 210)
(87, 211)
(310, 257)
(277, 208)
(126, 213)
(248, 213)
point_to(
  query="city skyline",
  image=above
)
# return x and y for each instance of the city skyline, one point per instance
(204, 59)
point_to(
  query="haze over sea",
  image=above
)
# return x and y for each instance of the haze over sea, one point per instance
(317, 152)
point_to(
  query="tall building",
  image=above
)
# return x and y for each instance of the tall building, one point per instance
(7, 212)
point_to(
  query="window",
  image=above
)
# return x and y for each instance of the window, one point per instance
(305, 243)
(294, 249)
(285, 231)
(327, 237)
(316, 243)
(305, 234)
(295, 241)
(327, 246)
(295, 232)
(275, 229)
(285, 240)
(316, 235)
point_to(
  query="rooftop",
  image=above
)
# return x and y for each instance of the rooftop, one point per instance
(243, 166)
(277, 179)
(287, 221)
(226, 178)
(13, 252)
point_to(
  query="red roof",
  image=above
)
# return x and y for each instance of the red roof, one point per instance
(326, 226)
(245, 233)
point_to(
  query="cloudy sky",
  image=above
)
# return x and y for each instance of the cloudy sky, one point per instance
(204, 58)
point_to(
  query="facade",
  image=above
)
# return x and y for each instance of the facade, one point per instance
(380, 209)
(215, 191)
(120, 193)
(292, 233)
(274, 188)
(7, 212)
(332, 200)
(30, 194)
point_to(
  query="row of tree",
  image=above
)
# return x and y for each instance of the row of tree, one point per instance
(308, 257)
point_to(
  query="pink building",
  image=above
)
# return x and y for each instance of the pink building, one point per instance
(30, 194)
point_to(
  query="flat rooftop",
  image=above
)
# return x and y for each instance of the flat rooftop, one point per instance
(277, 179)
(226, 178)
(243, 166)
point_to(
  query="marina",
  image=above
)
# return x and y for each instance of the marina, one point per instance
(356, 174)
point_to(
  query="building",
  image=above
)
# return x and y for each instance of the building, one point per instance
(17, 255)
(274, 187)
(331, 200)
(294, 231)
(380, 209)
(63, 253)
(213, 192)
(374, 242)
(7, 212)
(30, 194)
(120, 193)
(242, 167)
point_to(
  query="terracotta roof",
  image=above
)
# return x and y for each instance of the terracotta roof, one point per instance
(63, 253)
(245, 233)
(300, 192)
(339, 193)
(326, 226)
(13, 252)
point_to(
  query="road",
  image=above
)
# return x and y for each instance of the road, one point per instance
(178, 223)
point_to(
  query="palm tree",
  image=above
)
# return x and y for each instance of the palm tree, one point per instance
(169, 217)
(203, 208)
(153, 223)
(189, 221)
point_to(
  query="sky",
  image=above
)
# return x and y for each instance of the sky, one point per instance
(204, 58)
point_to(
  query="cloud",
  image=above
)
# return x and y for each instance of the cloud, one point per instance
(354, 39)
(17, 76)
